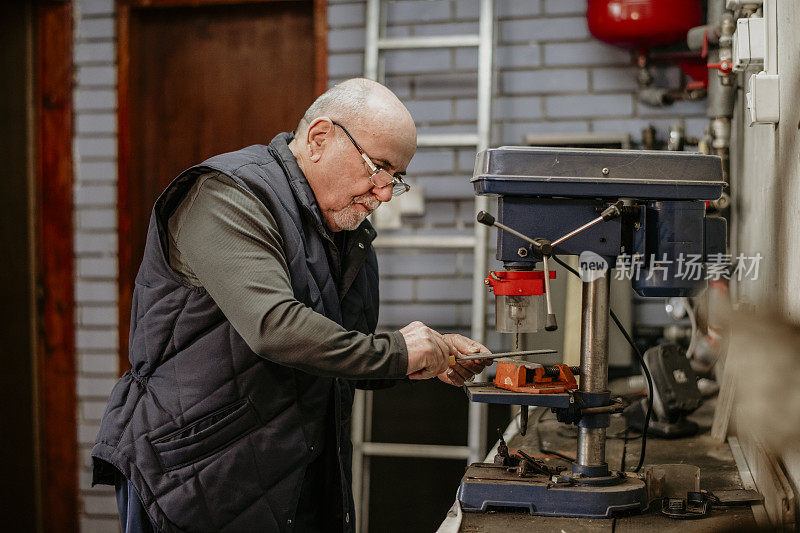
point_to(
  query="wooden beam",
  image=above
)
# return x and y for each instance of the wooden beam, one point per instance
(55, 276)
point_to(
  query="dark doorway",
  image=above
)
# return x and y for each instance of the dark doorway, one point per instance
(200, 80)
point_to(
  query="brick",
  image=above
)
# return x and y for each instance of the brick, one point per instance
(521, 107)
(97, 171)
(545, 81)
(617, 78)
(398, 31)
(430, 110)
(416, 10)
(633, 126)
(431, 314)
(94, 123)
(97, 75)
(95, 7)
(589, 105)
(524, 56)
(468, 9)
(696, 126)
(90, 99)
(98, 316)
(517, 8)
(92, 147)
(514, 133)
(99, 363)
(431, 161)
(99, 52)
(96, 28)
(96, 339)
(97, 267)
(95, 243)
(345, 65)
(400, 86)
(467, 109)
(448, 289)
(466, 161)
(681, 108)
(397, 290)
(466, 58)
(96, 291)
(87, 433)
(543, 29)
(86, 195)
(100, 505)
(446, 85)
(446, 129)
(446, 187)
(417, 264)
(565, 6)
(97, 219)
(346, 40)
(451, 28)
(91, 387)
(440, 213)
(346, 15)
(91, 524)
(409, 61)
(588, 53)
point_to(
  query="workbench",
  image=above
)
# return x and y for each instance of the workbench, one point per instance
(718, 471)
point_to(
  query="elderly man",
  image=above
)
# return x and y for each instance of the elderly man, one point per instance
(253, 321)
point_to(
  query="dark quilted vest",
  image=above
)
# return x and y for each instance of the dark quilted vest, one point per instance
(212, 436)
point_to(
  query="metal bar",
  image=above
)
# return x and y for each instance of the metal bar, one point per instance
(478, 412)
(357, 437)
(576, 231)
(392, 449)
(371, 44)
(506, 354)
(759, 511)
(425, 241)
(411, 43)
(594, 365)
(447, 139)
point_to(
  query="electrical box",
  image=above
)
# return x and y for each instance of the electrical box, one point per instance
(749, 44)
(762, 101)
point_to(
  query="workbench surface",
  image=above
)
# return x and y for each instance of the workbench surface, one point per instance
(718, 471)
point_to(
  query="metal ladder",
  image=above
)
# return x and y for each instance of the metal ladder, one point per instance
(363, 448)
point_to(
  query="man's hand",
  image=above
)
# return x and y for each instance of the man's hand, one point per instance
(463, 371)
(428, 352)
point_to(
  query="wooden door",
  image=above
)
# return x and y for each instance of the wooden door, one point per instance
(198, 80)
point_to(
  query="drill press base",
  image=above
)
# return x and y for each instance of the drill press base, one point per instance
(486, 486)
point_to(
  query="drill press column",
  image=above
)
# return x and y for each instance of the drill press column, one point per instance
(591, 454)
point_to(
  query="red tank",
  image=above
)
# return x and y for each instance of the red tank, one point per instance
(642, 24)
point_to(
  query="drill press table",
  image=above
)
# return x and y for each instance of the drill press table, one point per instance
(718, 471)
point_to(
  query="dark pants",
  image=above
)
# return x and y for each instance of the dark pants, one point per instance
(132, 515)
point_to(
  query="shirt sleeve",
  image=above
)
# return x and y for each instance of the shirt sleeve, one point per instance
(231, 243)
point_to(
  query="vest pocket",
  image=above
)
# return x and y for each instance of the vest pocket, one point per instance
(206, 436)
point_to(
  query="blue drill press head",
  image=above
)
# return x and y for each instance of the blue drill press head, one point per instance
(663, 235)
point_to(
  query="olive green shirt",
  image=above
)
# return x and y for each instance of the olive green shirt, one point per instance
(222, 238)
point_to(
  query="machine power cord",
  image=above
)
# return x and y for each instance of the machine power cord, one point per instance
(641, 362)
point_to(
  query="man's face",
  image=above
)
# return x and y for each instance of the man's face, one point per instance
(341, 184)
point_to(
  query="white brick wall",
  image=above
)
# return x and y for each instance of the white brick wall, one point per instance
(95, 148)
(551, 77)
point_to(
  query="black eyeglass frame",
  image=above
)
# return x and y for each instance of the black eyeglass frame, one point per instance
(398, 185)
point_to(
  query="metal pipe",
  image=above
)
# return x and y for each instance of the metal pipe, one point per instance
(371, 43)
(594, 364)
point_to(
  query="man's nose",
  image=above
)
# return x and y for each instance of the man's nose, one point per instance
(384, 194)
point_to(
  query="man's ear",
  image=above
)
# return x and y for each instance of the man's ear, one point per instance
(319, 137)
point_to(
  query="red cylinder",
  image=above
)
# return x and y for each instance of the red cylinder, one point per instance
(642, 24)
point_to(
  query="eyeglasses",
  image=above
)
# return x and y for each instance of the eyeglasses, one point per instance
(379, 177)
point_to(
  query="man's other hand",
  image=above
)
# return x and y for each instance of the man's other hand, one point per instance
(461, 372)
(428, 352)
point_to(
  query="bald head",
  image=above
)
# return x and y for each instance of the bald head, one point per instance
(366, 108)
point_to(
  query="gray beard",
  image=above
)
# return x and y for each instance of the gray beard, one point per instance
(352, 216)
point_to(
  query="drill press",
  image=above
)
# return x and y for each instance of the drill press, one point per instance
(602, 205)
